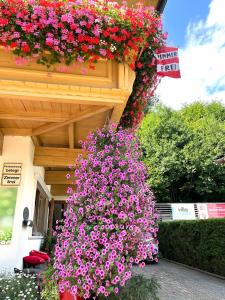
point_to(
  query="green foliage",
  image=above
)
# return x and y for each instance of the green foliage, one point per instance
(137, 288)
(5, 237)
(18, 287)
(7, 208)
(50, 288)
(180, 148)
(48, 244)
(197, 243)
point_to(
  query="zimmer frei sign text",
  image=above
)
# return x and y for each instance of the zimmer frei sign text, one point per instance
(168, 62)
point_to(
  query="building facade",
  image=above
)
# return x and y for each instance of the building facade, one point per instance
(43, 116)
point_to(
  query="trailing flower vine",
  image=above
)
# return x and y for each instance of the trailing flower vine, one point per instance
(53, 32)
(108, 219)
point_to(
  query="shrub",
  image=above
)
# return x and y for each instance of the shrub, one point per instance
(48, 244)
(108, 219)
(20, 286)
(197, 243)
(138, 288)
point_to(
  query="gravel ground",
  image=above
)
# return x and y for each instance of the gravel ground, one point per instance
(180, 283)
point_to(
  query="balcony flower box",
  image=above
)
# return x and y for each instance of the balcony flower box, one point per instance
(76, 32)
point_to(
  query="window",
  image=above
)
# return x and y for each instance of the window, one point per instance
(41, 211)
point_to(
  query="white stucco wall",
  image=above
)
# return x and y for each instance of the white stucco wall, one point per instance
(21, 150)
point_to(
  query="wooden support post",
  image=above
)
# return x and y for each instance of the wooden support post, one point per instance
(71, 135)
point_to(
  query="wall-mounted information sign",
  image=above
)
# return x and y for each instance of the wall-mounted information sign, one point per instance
(11, 174)
(13, 180)
(12, 168)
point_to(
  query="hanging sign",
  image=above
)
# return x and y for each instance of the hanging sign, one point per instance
(168, 62)
(183, 211)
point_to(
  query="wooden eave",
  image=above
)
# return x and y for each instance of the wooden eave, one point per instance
(59, 109)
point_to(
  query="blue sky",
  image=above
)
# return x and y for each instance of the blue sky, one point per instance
(178, 14)
(197, 27)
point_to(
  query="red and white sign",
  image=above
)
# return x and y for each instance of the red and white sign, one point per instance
(168, 62)
(216, 210)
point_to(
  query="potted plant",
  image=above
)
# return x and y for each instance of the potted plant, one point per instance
(108, 218)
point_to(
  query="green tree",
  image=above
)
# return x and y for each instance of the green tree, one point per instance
(179, 150)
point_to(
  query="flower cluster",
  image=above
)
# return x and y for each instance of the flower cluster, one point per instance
(79, 31)
(142, 95)
(108, 219)
(19, 286)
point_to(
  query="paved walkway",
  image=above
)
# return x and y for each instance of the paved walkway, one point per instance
(180, 283)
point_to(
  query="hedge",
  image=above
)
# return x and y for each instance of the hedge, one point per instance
(197, 243)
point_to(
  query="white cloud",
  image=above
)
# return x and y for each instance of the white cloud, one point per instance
(202, 62)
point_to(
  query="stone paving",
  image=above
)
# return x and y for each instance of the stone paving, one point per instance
(180, 283)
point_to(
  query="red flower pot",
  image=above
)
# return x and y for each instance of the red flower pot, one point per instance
(68, 296)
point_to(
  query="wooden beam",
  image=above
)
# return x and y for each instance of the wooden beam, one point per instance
(36, 141)
(75, 118)
(56, 157)
(56, 93)
(60, 189)
(40, 116)
(16, 131)
(117, 113)
(71, 135)
(1, 141)
(58, 177)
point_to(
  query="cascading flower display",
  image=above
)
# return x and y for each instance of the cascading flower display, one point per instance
(108, 218)
(78, 31)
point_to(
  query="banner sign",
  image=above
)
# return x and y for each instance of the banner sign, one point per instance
(168, 62)
(183, 211)
(202, 210)
(216, 210)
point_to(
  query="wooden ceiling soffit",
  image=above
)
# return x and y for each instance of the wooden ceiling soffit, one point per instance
(58, 177)
(60, 189)
(40, 116)
(34, 91)
(56, 157)
(1, 141)
(75, 118)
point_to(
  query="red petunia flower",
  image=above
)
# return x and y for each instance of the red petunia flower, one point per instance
(25, 48)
